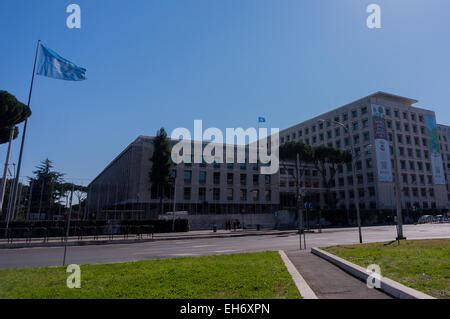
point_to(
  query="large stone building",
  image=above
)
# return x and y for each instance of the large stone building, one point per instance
(387, 132)
(123, 189)
(370, 125)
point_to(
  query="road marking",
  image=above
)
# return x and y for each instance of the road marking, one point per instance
(226, 251)
(202, 246)
(184, 255)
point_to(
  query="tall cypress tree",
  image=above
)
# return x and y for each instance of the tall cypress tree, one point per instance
(161, 164)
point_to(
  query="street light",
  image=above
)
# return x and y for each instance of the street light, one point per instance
(398, 201)
(355, 188)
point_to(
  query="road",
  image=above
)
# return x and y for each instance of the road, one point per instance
(52, 256)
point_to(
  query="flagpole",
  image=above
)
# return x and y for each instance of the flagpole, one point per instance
(12, 204)
(5, 171)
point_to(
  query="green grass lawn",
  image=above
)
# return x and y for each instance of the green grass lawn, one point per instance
(420, 264)
(248, 276)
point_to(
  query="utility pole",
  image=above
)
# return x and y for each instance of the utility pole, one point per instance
(355, 180)
(355, 186)
(397, 189)
(5, 171)
(299, 208)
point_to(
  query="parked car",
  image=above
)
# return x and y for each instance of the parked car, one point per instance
(425, 219)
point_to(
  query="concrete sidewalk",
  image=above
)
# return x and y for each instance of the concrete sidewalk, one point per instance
(121, 239)
(328, 281)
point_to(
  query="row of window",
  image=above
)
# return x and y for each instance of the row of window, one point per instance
(230, 177)
(414, 192)
(254, 195)
(354, 114)
(230, 166)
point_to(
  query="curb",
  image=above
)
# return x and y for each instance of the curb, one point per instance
(135, 241)
(302, 286)
(388, 286)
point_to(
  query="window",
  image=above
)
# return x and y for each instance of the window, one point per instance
(187, 177)
(366, 136)
(202, 194)
(255, 195)
(216, 178)
(216, 194)
(337, 132)
(230, 178)
(255, 180)
(243, 179)
(187, 193)
(202, 177)
(268, 195)
(230, 193)
(243, 194)
(365, 123)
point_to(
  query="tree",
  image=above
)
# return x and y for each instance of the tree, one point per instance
(5, 134)
(47, 188)
(68, 190)
(12, 112)
(301, 156)
(326, 159)
(161, 165)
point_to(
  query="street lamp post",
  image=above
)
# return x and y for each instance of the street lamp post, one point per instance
(398, 200)
(355, 187)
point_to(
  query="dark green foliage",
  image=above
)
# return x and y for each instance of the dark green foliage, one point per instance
(12, 111)
(47, 187)
(161, 165)
(325, 159)
(289, 151)
(5, 134)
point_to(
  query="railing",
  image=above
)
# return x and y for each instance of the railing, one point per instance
(45, 234)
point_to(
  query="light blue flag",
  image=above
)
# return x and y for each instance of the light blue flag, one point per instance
(261, 120)
(54, 66)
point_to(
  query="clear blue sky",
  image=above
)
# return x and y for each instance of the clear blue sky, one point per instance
(165, 63)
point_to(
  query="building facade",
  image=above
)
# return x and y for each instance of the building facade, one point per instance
(124, 190)
(390, 138)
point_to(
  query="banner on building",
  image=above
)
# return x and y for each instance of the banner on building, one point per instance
(382, 150)
(435, 150)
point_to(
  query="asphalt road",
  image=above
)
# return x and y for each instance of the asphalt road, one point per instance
(52, 256)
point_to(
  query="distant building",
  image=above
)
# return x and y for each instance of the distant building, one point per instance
(122, 189)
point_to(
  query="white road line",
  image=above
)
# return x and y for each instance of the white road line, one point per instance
(226, 251)
(184, 255)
